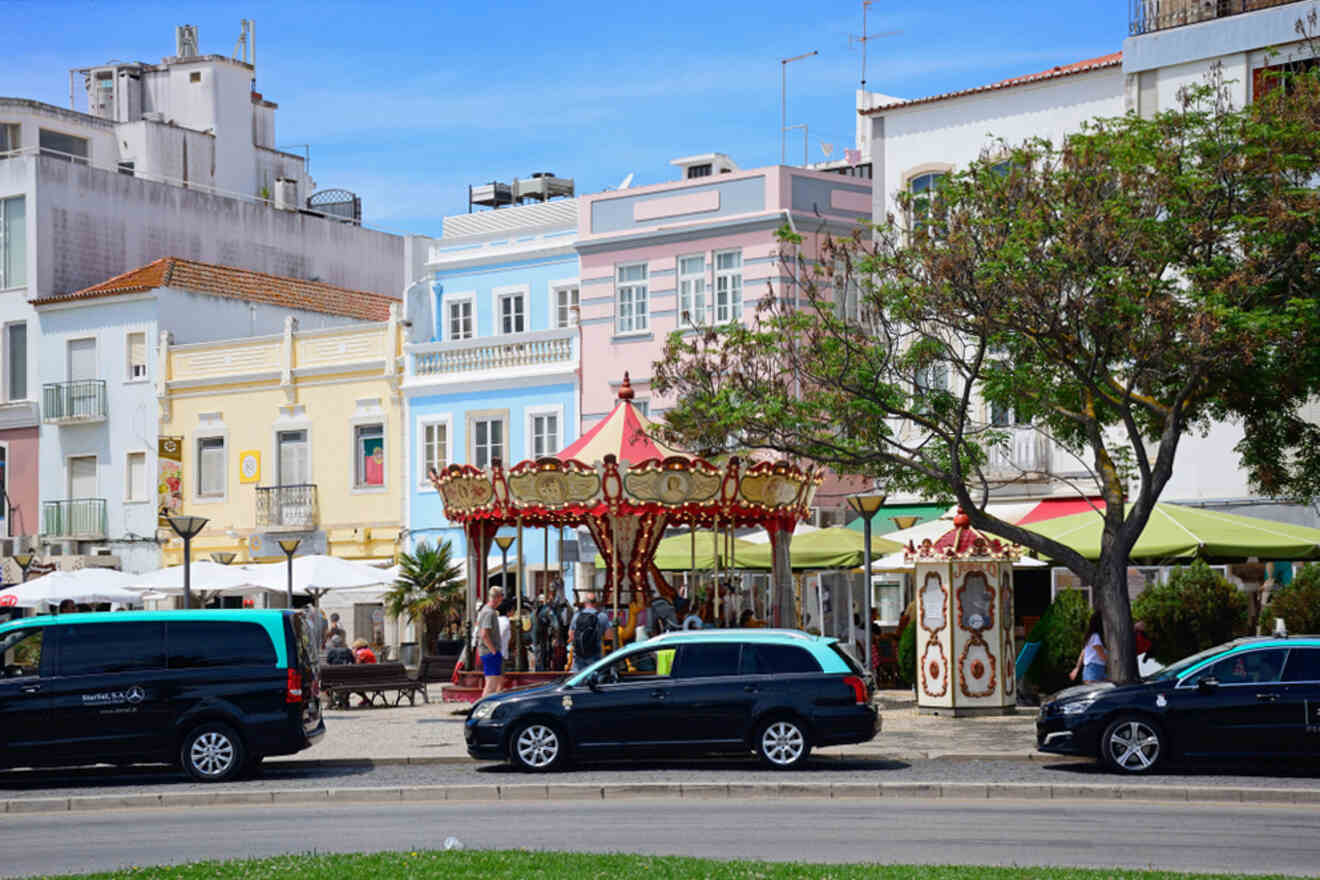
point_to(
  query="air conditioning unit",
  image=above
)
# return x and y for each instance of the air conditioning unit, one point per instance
(6, 546)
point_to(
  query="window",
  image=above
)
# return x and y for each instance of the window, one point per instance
(137, 355)
(513, 313)
(1249, 667)
(566, 306)
(1303, 665)
(13, 242)
(847, 292)
(692, 305)
(435, 449)
(68, 147)
(728, 286)
(1002, 416)
(643, 408)
(929, 380)
(695, 171)
(706, 661)
(487, 441)
(135, 477)
(211, 467)
(776, 660)
(369, 455)
(1266, 79)
(630, 306)
(638, 665)
(104, 648)
(460, 319)
(4, 484)
(21, 652)
(9, 138)
(195, 76)
(293, 460)
(924, 189)
(544, 433)
(16, 361)
(82, 476)
(196, 644)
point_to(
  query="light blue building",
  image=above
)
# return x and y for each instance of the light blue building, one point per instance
(493, 371)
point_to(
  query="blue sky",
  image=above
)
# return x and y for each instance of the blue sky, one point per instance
(407, 103)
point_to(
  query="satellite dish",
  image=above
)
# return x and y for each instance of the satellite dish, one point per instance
(627, 181)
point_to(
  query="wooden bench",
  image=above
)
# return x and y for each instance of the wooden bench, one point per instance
(438, 669)
(369, 681)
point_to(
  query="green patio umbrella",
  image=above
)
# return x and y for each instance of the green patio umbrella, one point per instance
(822, 549)
(1178, 532)
(675, 553)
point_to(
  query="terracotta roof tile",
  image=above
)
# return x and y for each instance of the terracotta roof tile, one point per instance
(1114, 59)
(244, 284)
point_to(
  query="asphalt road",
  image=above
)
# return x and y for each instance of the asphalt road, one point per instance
(1222, 838)
(293, 774)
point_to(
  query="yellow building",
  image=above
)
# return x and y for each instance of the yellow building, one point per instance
(295, 435)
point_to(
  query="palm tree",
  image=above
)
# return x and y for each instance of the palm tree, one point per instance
(430, 588)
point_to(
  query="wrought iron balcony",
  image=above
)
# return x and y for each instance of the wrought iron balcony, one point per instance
(1158, 15)
(287, 507)
(81, 519)
(72, 403)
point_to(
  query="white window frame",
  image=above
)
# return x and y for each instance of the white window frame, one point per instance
(469, 297)
(196, 448)
(643, 406)
(639, 319)
(146, 478)
(487, 415)
(500, 294)
(128, 357)
(574, 310)
(360, 485)
(731, 310)
(529, 439)
(4, 368)
(68, 474)
(688, 314)
(939, 169)
(424, 422)
(5, 282)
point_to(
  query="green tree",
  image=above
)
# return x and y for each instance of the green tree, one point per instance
(1298, 603)
(1117, 290)
(1060, 632)
(1194, 610)
(430, 588)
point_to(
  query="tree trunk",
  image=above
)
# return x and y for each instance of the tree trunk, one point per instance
(781, 579)
(1111, 595)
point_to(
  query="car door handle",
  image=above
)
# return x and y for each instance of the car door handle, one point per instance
(658, 694)
(1268, 698)
(30, 688)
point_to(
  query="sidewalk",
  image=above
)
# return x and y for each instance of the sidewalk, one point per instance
(433, 732)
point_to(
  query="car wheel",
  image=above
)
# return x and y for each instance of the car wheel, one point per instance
(1132, 744)
(537, 746)
(782, 743)
(213, 752)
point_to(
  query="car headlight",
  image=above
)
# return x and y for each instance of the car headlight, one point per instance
(483, 710)
(1076, 707)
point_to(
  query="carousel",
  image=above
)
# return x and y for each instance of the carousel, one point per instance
(627, 488)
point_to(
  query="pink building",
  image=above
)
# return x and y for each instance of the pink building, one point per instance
(697, 251)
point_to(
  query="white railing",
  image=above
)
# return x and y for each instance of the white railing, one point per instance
(539, 349)
(1024, 455)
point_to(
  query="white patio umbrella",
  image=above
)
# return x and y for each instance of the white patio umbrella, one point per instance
(84, 585)
(206, 577)
(318, 574)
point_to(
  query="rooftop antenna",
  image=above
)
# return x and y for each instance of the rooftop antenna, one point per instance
(627, 181)
(783, 99)
(866, 38)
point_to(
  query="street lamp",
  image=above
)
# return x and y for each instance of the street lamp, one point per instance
(24, 562)
(290, 547)
(866, 505)
(224, 557)
(187, 527)
(905, 521)
(505, 542)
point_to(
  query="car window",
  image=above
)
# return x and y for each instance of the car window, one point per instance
(1245, 667)
(638, 665)
(705, 661)
(96, 648)
(1173, 670)
(1303, 665)
(195, 644)
(853, 666)
(776, 660)
(21, 650)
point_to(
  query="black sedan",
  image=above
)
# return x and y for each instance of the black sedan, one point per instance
(777, 693)
(1251, 698)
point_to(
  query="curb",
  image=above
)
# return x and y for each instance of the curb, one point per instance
(561, 791)
(423, 760)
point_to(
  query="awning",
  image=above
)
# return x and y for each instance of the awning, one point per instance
(675, 553)
(1052, 508)
(883, 520)
(823, 549)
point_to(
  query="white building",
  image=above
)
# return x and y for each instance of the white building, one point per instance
(100, 362)
(912, 142)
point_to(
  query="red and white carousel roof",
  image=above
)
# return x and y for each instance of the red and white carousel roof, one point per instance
(624, 433)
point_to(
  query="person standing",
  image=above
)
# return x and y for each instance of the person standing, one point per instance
(1091, 661)
(488, 642)
(587, 631)
(506, 631)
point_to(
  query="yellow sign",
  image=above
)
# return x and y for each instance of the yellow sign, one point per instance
(249, 466)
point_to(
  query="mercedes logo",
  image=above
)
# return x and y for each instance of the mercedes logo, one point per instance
(136, 694)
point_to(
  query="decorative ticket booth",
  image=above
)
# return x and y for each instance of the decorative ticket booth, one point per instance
(964, 586)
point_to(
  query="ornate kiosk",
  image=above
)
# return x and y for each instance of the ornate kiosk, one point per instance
(964, 617)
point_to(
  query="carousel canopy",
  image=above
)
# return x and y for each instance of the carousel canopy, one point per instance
(624, 433)
(822, 549)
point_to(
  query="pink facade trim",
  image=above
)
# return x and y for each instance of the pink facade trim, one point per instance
(20, 471)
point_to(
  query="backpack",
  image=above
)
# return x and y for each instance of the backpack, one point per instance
(587, 635)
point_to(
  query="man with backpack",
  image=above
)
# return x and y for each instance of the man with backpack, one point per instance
(588, 629)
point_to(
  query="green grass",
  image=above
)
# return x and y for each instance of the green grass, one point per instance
(519, 864)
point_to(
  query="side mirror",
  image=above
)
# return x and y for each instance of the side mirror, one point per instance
(1207, 685)
(593, 681)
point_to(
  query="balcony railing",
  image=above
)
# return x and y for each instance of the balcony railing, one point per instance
(1158, 15)
(81, 519)
(530, 351)
(67, 403)
(1025, 455)
(287, 507)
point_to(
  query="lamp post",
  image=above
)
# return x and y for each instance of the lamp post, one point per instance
(24, 562)
(783, 99)
(505, 542)
(866, 505)
(224, 557)
(187, 527)
(290, 547)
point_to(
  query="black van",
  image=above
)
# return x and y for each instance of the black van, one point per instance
(213, 691)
